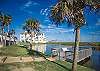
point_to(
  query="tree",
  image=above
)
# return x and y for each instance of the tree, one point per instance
(71, 11)
(31, 25)
(5, 20)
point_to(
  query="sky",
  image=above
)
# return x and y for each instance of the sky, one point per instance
(21, 10)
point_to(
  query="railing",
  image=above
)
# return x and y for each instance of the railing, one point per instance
(83, 54)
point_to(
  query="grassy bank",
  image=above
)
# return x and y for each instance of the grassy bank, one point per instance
(13, 50)
(16, 50)
(81, 43)
(42, 66)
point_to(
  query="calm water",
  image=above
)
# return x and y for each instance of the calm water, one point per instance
(93, 62)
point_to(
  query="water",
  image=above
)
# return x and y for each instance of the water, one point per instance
(93, 62)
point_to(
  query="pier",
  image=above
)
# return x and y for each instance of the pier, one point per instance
(65, 54)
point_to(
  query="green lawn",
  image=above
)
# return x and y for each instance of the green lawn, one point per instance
(16, 50)
(13, 50)
(43, 66)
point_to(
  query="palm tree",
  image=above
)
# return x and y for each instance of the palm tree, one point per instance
(71, 11)
(5, 20)
(9, 18)
(31, 25)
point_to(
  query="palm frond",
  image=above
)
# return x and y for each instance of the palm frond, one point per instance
(32, 24)
(72, 11)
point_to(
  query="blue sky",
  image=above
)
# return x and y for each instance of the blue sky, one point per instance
(39, 9)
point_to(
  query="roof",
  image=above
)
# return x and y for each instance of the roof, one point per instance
(65, 49)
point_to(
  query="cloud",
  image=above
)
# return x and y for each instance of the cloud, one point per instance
(66, 30)
(41, 11)
(54, 29)
(43, 26)
(45, 11)
(95, 33)
(30, 3)
(27, 5)
(46, 20)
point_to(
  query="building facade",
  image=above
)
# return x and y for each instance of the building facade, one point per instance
(33, 37)
(7, 40)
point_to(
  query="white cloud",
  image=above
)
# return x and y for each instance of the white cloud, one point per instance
(41, 11)
(66, 30)
(43, 26)
(95, 33)
(35, 3)
(46, 20)
(44, 12)
(28, 5)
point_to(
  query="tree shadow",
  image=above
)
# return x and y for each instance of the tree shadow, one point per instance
(34, 53)
(61, 65)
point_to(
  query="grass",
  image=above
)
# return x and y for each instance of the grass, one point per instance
(13, 50)
(81, 43)
(43, 66)
(61, 43)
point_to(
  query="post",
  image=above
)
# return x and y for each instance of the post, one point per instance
(59, 54)
(65, 55)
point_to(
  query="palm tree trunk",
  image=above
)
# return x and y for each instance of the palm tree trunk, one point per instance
(9, 36)
(76, 49)
(14, 41)
(8, 28)
(5, 40)
(25, 37)
(9, 40)
(31, 37)
(2, 35)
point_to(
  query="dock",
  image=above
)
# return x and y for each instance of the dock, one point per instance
(66, 54)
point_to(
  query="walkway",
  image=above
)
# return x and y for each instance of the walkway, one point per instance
(9, 59)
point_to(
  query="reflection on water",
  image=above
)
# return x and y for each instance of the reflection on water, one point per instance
(94, 59)
(39, 47)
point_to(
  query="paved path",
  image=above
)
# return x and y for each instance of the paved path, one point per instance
(24, 69)
(9, 59)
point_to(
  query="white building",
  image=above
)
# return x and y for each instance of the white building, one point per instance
(33, 37)
(7, 39)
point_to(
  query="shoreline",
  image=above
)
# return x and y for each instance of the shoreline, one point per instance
(96, 44)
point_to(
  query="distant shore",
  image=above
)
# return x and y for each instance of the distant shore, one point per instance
(97, 44)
